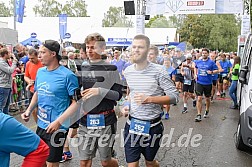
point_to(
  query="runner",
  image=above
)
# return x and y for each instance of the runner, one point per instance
(148, 82)
(54, 89)
(22, 141)
(101, 89)
(204, 69)
(187, 70)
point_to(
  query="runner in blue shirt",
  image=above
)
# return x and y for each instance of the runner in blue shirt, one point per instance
(223, 76)
(54, 87)
(204, 70)
(16, 138)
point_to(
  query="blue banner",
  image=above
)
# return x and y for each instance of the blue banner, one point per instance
(20, 5)
(62, 25)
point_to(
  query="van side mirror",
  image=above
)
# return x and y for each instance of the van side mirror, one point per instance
(243, 74)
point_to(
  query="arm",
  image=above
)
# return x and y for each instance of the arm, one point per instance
(219, 67)
(7, 69)
(34, 102)
(171, 94)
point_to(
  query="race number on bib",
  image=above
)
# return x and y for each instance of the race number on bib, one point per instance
(202, 72)
(187, 82)
(139, 127)
(95, 121)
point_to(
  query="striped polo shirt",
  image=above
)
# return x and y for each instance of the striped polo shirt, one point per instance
(152, 81)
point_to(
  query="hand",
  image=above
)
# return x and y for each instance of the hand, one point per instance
(26, 116)
(209, 72)
(140, 98)
(195, 77)
(125, 111)
(88, 93)
(31, 82)
(221, 70)
(52, 127)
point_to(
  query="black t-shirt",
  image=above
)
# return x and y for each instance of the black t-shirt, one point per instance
(100, 75)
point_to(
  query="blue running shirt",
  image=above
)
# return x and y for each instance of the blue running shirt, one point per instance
(54, 88)
(203, 77)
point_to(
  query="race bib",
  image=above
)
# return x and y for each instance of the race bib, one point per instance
(139, 127)
(223, 75)
(178, 71)
(95, 121)
(187, 82)
(45, 114)
(202, 72)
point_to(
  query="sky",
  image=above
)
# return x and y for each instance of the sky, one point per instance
(95, 8)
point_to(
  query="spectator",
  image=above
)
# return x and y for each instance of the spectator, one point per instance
(6, 79)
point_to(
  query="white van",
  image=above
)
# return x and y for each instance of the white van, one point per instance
(244, 95)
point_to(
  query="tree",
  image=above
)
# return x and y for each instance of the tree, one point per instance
(52, 8)
(211, 31)
(6, 11)
(115, 17)
(158, 21)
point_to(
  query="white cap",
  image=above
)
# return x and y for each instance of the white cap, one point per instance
(188, 56)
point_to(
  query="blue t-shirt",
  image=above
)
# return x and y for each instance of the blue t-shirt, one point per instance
(119, 64)
(225, 65)
(15, 137)
(171, 71)
(203, 66)
(24, 59)
(54, 88)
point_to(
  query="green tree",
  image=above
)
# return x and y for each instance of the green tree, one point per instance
(158, 21)
(6, 11)
(52, 8)
(211, 31)
(115, 17)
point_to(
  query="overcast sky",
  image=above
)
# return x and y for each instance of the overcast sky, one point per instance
(96, 8)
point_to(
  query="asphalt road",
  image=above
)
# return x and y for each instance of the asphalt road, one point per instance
(210, 142)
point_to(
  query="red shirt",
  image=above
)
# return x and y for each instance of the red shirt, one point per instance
(31, 71)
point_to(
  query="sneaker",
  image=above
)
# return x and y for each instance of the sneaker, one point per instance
(194, 103)
(223, 95)
(167, 116)
(206, 115)
(198, 118)
(184, 110)
(234, 107)
(211, 99)
(66, 156)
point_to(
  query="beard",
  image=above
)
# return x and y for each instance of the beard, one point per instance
(139, 58)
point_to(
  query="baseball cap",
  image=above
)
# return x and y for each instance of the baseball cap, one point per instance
(53, 46)
(188, 56)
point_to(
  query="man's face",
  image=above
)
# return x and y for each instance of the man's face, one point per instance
(64, 53)
(167, 63)
(33, 58)
(83, 54)
(116, 54)
(139, 50)
(151, 56)
(205, 54)
(94, 50)
(46, 55)
(212, 56)
(223, 57)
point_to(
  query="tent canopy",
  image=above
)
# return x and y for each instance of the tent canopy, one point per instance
(31, 42)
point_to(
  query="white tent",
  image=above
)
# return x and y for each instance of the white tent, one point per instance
(80, 27)
(8, 36)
